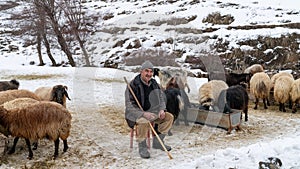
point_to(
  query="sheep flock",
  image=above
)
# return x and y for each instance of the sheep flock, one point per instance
(34, 116)
(42, 113)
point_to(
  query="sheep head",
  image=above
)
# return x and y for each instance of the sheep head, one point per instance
(59, 92)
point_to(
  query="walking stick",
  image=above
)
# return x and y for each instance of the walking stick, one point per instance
(156, 135)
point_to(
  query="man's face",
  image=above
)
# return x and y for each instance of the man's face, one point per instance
(146, 74)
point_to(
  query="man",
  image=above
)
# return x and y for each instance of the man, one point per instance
(150, 97)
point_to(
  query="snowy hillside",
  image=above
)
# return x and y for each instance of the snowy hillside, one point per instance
(240, 32)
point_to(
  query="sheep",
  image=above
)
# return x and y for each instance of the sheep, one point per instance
(277, 75)
(40, 120)
(234, 97)
(254, 69)
(165, 76)
(260, 85)
(20, 103)
(13, 94)
(295, 94)
(282, 90)
(175, 83)
(57, 93)
(9, 85)
(209, 93)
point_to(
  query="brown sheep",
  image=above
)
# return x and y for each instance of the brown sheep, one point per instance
(260, 85)
(57, 93)
(9, 95)
(9, 85)
(40, 120)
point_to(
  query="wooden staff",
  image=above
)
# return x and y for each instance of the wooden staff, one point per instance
(156, 135)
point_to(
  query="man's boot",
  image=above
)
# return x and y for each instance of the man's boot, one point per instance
(143, 150)
(157, 145)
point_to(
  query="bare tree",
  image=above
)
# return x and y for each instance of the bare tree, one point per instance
(52, 12)
(78, 23)
(41, 26)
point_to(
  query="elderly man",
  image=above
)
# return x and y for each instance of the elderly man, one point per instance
(150, 97)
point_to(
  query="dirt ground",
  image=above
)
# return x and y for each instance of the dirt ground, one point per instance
(104, 142)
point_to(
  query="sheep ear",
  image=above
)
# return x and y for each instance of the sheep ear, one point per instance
(66, 87)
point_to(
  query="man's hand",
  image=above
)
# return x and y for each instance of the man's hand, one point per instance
(149, 116)
(162, 114)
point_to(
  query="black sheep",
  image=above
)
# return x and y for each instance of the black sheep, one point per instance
(235, 97)
(9, 85)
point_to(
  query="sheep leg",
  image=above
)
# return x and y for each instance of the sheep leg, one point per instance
(30, 155)
(256, 103)
(268, 102)
(265, 105)
(56, 145)
(246, 113)
(65, 145)
(35, 145)
(13, 148)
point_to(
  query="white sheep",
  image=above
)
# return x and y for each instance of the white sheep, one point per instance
(282, 90)
(254, 69)
(9, 95)
(40, 120)
(295, 94)
(260, 85)
(209, 93)
(57, 93)
(277, 75)
(165, 76)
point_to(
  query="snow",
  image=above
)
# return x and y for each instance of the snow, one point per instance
(99, 87)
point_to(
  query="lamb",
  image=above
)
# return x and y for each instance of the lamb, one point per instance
(295, 94)
(13, 94)
(234, 97)
(57, 93)
(9, 85)
(40, 120)
(254, 69)
(282, 90)
(209, 93)
(165, 76)
(260, 85)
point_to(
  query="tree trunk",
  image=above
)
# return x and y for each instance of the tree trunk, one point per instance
(39, 49)
(47, 45)
(85, 54)
(61, 40)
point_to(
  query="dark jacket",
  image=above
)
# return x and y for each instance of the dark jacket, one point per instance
(132, 110)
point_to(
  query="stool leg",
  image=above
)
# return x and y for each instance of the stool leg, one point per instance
(148, 139)
(131, 137)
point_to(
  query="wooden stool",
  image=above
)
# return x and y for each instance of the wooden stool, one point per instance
(134, 130)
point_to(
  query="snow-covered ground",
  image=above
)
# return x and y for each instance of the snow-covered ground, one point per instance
(100, 137)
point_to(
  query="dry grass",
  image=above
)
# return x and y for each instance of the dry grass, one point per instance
(33, 77)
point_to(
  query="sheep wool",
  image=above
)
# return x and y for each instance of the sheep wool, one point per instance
(40, 120)
(209, 92)
(19, 103)
(282, 90)
(260, 85)
(254, 69)
(9, 95)
(295, 94)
